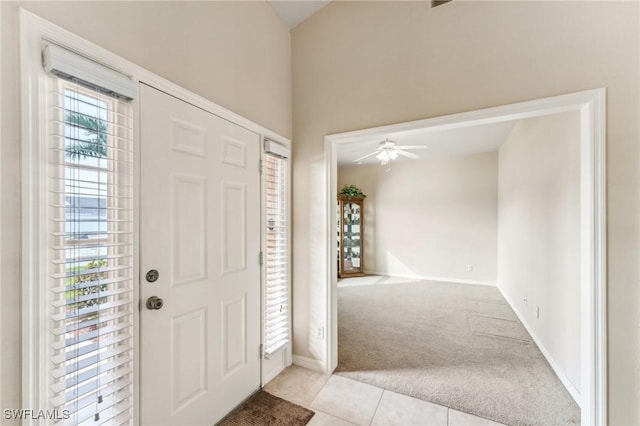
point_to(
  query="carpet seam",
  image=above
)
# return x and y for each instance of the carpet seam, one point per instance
(497, 318)
(500, 337)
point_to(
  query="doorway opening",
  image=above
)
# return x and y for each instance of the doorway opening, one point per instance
(590, 105)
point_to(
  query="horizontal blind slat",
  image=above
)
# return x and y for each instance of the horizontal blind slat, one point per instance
(88, 412)
(90, 386)
(89, 349)
(89, 335)
(90, 309)
(90, 373)
(87, 400)
(80, 364)
(97, 270)
(88, 284)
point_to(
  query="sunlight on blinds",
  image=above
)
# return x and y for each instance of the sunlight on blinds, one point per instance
(90, 214)
(276, 327)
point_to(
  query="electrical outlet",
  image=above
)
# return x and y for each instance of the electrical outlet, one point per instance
(470, 268)
(538, 312)
(320, 333)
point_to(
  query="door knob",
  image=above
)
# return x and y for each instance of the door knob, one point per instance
(154, 303)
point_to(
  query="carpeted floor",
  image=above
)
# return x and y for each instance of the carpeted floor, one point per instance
(264, 409)
(456, 345)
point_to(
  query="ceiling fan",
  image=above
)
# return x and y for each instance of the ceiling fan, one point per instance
(388, 150)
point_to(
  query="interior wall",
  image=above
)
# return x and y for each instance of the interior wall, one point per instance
(430, 218)
(237, 54)
(358, 65)
(539, 233)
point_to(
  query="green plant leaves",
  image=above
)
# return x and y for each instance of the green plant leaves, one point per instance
(95, 137)
(351, 191)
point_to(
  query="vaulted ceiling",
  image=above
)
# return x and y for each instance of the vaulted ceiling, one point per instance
(294, 12)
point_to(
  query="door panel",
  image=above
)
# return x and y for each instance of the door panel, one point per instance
(188, 229)
(200, 228)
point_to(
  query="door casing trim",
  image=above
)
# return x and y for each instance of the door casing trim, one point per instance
(591, 105)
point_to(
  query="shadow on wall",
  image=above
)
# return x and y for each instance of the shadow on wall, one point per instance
(395, 265)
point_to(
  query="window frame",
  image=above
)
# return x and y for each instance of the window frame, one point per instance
(285, 187)
(113, 175)
(35, 34)
(281, 358)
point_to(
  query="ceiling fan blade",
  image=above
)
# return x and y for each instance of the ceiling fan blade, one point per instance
(407, 154)
(366, 156)
(413, 147)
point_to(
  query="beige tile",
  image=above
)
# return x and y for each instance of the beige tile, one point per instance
(348, 399)
(297, 384)
(402, 410)
(458, 418)
(324, 419)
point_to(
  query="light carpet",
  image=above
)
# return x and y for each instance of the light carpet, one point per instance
(456, 345)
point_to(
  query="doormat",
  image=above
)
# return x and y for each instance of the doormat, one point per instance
(266, 409)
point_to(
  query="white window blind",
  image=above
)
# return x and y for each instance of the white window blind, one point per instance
(90, 255)
(276, 256)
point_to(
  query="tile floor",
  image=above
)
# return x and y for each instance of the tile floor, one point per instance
(338, 401)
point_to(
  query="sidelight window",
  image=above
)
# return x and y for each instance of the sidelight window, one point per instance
(277, 252)
(85, 223)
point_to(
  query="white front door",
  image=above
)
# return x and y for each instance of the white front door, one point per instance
(200, 229)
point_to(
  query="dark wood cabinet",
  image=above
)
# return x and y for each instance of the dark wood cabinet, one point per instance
(349, 234)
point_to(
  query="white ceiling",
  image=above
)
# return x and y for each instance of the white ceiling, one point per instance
(441, 143)
(294, 12)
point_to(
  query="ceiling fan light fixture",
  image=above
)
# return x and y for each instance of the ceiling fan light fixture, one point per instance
(388, 151)
(386, 144)
(383, 156)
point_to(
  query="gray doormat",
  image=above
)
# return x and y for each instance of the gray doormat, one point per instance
(268, 410)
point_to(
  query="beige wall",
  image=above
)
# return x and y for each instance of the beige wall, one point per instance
(236, 54)
(539, 233)
(363, 64)
(430, 218)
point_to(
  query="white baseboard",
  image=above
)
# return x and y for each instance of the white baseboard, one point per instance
(310, 363)
(430, 278)
(575, 394)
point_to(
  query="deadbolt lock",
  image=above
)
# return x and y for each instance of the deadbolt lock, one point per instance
(152, 276)
(154, 303)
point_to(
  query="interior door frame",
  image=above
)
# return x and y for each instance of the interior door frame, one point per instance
(33, 31)
(591, 105)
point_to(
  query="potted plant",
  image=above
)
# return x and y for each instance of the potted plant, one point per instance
(351, 191)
